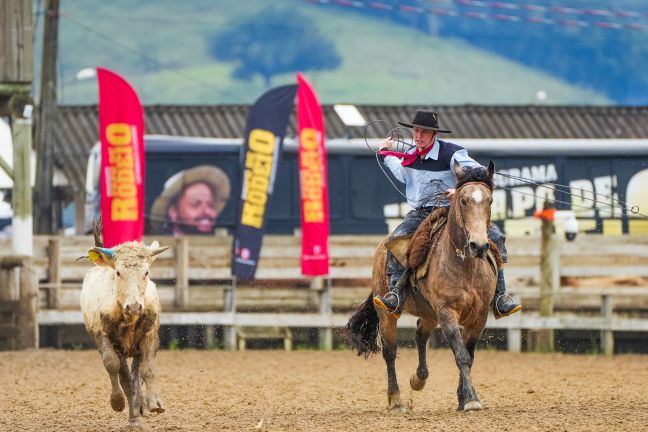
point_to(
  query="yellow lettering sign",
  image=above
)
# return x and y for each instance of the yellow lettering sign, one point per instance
(252, 215)
(258, 169)
(312, 182)
(123, 187)
(313, 211)
(262, 141)
(124, 209)
(118, 134)
(308, 139)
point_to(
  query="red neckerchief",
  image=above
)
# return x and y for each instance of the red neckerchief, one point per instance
(408, 158)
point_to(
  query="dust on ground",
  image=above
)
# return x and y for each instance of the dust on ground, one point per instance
(313, 391)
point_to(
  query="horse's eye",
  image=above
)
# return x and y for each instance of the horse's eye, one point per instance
(463, 202)
(118, 274)
(146, 274)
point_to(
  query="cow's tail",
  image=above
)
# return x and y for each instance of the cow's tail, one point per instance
(96, 226)
(362, 329)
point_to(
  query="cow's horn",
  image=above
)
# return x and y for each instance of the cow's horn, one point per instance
(159, 250)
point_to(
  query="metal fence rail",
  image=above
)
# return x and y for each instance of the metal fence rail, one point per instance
(607, 323)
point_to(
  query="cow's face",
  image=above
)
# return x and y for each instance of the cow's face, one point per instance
(131, 280)
(131, 263)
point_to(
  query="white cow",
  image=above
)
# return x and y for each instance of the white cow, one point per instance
(121, 311)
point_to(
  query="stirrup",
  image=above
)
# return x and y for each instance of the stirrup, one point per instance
(499, 314)
(398, 300)
(396, 312)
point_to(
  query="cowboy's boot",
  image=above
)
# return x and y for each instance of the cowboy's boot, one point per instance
(503, 305)
(391, 301)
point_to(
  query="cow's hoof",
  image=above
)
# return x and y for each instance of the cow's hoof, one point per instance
(118, 402)
(154, 404)
(139, 407)
(416, 383)
(472, 406)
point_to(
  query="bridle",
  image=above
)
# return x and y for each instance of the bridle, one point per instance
(461, 253)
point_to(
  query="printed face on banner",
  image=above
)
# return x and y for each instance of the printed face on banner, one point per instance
(191, 202)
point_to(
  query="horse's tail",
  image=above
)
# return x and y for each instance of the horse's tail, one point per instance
(362, 329)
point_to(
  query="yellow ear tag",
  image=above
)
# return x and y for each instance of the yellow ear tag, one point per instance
(94, 256)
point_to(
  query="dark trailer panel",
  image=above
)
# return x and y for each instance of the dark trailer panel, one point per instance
(358, 190)
(592, 170)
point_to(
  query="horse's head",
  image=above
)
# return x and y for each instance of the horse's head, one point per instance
(471, 207)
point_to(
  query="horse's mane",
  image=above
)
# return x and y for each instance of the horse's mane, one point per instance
(422, 239)
(477, 174)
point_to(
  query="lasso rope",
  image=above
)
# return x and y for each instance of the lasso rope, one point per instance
(396, 135)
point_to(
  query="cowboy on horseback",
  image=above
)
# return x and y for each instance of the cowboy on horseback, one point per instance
(427, 172)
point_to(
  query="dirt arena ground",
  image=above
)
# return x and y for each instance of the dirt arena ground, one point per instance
(314, 391)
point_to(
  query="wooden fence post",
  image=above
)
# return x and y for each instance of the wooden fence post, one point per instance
(326, 333)
(182, 272)
(8, 305)
(27, 317)
(544, 339)
(54, 273)
(607, 336)
(19, 299)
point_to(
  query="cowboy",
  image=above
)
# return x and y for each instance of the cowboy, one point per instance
(191, 201)
(427, 171)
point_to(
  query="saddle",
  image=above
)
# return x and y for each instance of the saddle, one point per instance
(414, 251)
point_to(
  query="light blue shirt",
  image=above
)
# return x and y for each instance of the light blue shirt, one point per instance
(426, 180)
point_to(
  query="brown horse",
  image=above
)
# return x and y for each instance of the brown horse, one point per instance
(455, 293)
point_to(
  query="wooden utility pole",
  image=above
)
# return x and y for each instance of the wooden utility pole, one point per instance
(21, 223)
(45, 121)
(16, 75)
(544, 340)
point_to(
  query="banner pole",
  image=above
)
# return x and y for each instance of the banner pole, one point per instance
(229, 331)
(326, 333)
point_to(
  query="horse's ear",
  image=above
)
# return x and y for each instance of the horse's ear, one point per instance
(490, 171)
(457, 169)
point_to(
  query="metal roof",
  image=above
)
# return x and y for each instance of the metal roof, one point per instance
(77, 127)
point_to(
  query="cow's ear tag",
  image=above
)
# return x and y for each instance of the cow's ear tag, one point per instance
(94, 256)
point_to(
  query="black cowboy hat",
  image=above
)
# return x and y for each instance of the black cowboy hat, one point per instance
(426, 120)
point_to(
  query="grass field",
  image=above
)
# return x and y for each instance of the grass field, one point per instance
(161, 48)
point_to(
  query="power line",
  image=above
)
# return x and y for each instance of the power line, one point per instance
(162, 20)
(151, 59)
(504, 17)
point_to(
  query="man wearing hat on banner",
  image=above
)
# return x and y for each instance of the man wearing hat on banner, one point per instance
(191, 201)
(427, 171)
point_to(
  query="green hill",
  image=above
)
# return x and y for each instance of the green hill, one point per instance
(161, 48)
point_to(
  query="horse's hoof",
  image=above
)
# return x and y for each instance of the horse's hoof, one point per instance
(472, 406)
(398, 410)
(118, 402)
(416, 383)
